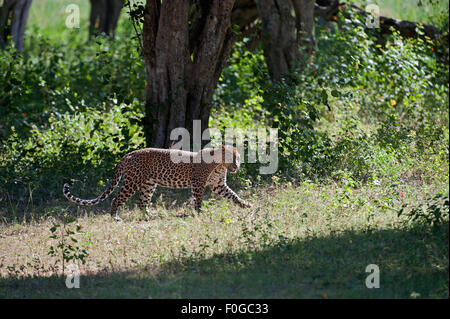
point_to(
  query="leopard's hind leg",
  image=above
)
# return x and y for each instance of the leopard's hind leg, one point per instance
(128, 188)
(145, 195)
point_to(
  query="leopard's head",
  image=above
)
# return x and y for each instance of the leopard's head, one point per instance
(232, 157)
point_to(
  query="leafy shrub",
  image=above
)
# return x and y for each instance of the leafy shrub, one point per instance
(67, 247)
(434, 212)
(388, 104)
(65, 77)
(85, 146)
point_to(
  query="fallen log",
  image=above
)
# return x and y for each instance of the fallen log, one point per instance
(329, 9)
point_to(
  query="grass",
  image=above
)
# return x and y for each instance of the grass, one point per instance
(55, 28)
(298, 241)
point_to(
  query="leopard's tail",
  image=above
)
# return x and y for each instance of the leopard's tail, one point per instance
(95, 201)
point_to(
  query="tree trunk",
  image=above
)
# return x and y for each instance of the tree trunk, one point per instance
(186, 44)
(283, 34)
(304, 19)
(17, 12)
(279, 36)
(104, 16)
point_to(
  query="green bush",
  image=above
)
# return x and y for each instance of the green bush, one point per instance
(356, 106)
(54, 78)
(84, 146)
(433, 213)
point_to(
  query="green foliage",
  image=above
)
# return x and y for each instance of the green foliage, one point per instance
(67, 245)
(84, 146)
(54, 78)
(70, 110)
(431, 214)
(355, 106)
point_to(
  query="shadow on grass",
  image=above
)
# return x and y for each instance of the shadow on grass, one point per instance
(24, 212)
(412, 262)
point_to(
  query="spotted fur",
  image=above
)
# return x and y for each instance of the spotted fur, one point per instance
(144, 169)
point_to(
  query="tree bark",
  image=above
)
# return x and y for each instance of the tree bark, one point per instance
(279, 36)
(304, 19)
(284, 34)
(186, 44)
(104, 16)
(13, 20)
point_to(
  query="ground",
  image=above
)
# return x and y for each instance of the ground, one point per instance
(298, 241)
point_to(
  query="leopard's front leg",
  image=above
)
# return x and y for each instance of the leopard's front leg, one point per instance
(223, 190)
(197, 192)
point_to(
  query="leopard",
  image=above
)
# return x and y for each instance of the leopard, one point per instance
(144, 169)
